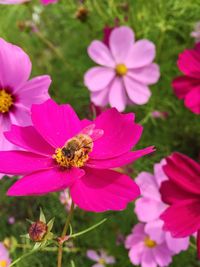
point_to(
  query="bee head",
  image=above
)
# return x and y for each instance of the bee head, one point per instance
(68, 153)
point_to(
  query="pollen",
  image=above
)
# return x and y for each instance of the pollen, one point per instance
(75, 152)
(101, 261)
(149, 242)
(121, 69)
(3, 263)
(6, 101)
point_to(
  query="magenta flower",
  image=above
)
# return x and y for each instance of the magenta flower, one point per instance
(187, 87)
(5, 260)
(17, 93)
(125, 70)
(181, 193)
(47, 2)
(146, 248)
(63, 152)
(150, 206)
(100, 257)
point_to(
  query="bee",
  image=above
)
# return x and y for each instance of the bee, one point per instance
(77, 149)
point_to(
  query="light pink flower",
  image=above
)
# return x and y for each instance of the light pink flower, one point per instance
(61, 151)
(13, 2)
(125, 70)
(100, 257)
(66, 199)
(17, 93)
(47, 2)
(196, 33)
(150, 206)
(4, 256)
(146, 248)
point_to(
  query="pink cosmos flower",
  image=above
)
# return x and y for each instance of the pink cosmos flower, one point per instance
(181, 192)
(13, 2)
(100, 257)
(62, 152)
(47, 2)
(125, 70)
(196, 33)
(17, 93)
(66, 199)
(5, 260)
(150, 206)
(187, 87)
(146, 248)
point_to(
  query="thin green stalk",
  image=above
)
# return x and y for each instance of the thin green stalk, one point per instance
(64, 233)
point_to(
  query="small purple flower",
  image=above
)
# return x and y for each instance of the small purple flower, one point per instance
(196, 32)
(100, 257)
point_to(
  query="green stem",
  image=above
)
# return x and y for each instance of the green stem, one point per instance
(64, 232)
(88, 229)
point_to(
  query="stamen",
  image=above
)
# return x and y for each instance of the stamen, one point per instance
(3, 263)
(75, 152)
(101, 261)
(6, 101)
(149, 243)
(121, 69)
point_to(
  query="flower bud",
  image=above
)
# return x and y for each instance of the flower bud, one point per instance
(37, 231)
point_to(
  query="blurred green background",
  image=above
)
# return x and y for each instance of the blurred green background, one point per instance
(59, 48)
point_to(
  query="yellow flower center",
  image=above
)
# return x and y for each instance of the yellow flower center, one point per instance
(3, 263)
(6, 101)
(149, 243)
(75, 152)
(121, 69)
(101, 261)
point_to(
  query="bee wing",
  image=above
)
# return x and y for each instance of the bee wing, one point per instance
(90, 130)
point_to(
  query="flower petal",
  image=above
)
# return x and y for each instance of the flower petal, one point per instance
(117, 94)
(154, 231)
(192, 100)
(148, 186)
(93, 255)
(97, 78)
(177, 244)
(148, 259)
(100, 54)
(29, 139)
(119, 161)
(44, 182)
(141, 54)
(22, 162)
(147, 75)
(120, 134)
(15, 65)
(183, 85)
(138, 93)
(182, 219)
(184, 172)
(148, 209)
(100, 98)
(120, 42)
(162, 255)
(103, 190)
(34, 91)
(189, 63)
(57, 123)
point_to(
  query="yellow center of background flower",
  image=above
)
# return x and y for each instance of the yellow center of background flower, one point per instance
(121, 69)
(149, 243)
(3, 263)
(75, 152)
(101, 261)
(6, 101)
